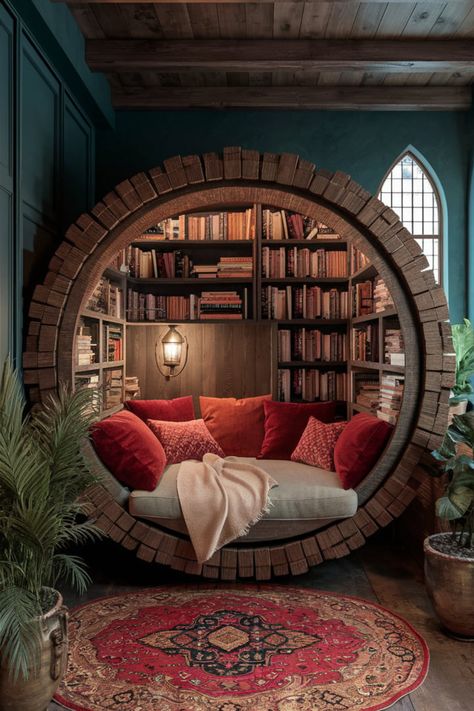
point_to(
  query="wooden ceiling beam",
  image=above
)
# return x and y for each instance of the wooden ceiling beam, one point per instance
(210, 2)
(393, 98)
(388, 56)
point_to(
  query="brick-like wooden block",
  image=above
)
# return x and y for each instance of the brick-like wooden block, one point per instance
(160, 180)
(213, 166)
(193, 168)
(311, 551)
(143, 187)
(232, 162)
(175, 172)
(125, 521)
(269, 167)
(320, 181)
(246, 564)
(129, 195)
(146, 553)
(303, 174)
(250, 164)
(263, 569)
(286, 168)
(279, 560)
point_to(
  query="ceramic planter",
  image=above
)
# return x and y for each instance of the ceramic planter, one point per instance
(36, 693)
(450, 584)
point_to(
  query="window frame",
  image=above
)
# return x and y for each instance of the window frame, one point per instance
(432, 181)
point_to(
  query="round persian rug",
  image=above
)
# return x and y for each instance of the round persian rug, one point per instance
(239, 648)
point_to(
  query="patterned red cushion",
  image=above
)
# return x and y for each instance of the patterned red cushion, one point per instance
(316, 446)
(185, 440)
(129, 450)
(180, 409)
(285, 423)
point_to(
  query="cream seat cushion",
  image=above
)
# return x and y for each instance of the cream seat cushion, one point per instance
(305, 499)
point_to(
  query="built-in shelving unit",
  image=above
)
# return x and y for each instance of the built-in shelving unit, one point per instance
(319, 292)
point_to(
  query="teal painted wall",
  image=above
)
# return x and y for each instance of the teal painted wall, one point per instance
(364, 144)
(48, 110)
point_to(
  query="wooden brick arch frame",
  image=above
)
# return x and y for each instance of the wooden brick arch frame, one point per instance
(242, 176)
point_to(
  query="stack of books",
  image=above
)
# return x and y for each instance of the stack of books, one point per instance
(91, 382)
(204, 271)
(394, 347)
(132, 387)
(235, 267)
(364, 343)
(113, 387)
(391, 394)
(362, 297)
(226, 305)
(306, 302)
(382, 298)
(368, 394)
(84, 346)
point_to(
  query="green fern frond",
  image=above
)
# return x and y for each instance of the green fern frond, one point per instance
(19, 635)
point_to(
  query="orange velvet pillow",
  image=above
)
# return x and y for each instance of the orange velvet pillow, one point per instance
(237, 425)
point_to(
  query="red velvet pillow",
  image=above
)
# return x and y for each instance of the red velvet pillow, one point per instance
(359, 447)
(129, 450)
(285, 423)
(181, 409)
(184, 440)
(237, 425)
(316, 446)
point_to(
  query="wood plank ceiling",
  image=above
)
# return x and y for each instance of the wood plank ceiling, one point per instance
(344, 54)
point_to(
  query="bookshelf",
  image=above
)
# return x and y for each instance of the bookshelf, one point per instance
(253, 263)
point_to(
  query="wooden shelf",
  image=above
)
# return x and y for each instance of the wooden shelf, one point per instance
(305, 280)
(366, 272)
(309, 322)
(194, 242)
(303, 242)
(112, 410)
(312, 364)
(366, 364)
(87, 313)
(392, 368)
(189, 321)
(188, 282)
(112, 273)
(99, 366)
(388, 313)
(361, 408)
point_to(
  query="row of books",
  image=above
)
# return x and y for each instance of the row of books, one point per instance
(394, 347)
(131, 388)
(113, 339)
(362, 298)
(358, 260)
(107, 298)
(309, 344)
(156, 264)
(208, 305)
(307, 302)
(309, 384)
(226, 268)
(364, 343)
(303, 262)
(213, 226)
(367, 391)
(282, 224)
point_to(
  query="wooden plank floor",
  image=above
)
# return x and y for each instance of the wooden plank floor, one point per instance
(381, 571)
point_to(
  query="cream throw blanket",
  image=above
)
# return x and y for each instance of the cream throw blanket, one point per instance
(220, 500)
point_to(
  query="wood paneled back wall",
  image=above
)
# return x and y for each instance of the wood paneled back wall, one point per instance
(224, 360)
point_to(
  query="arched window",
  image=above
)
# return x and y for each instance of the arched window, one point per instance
(410, 192)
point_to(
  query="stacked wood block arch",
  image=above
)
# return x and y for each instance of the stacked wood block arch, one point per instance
(241, 176)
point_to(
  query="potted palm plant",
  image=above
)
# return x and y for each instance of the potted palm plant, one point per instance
(42, 474)
(463, 342)
(449, 556)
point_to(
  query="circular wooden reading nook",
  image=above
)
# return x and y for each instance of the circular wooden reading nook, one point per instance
(238, 180)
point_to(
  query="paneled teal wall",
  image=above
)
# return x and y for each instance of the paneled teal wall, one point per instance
(47, 158)
(364, 144)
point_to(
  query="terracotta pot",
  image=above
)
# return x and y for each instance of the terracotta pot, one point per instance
(450, 584)
(36, 692)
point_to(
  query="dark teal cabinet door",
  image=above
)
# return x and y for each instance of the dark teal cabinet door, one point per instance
(77, 184)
